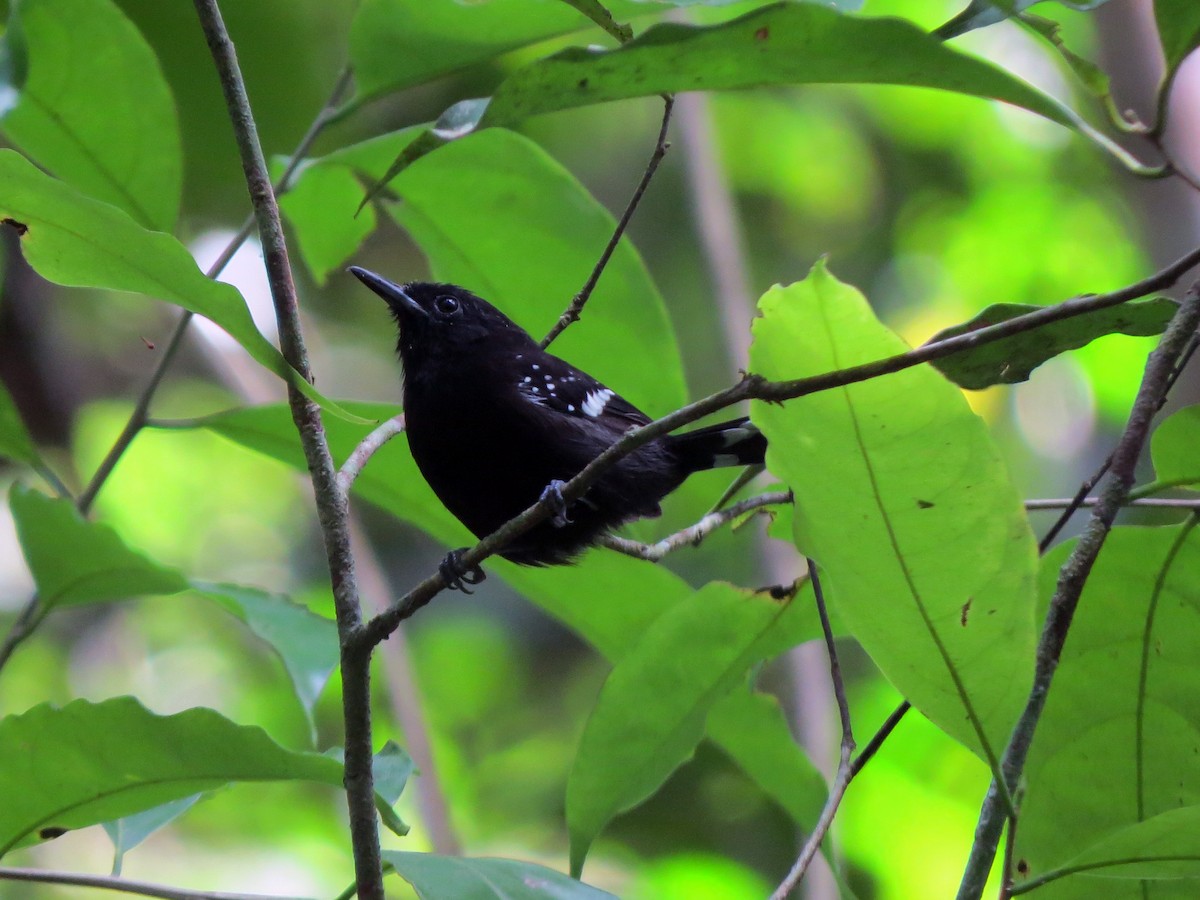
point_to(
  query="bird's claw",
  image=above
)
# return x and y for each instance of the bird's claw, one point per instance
(457, 577)
(552, 496)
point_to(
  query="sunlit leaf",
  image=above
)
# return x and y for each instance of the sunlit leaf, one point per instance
(1121, 713)
(463, 878)
(76, 561)
(86, 98)
(652, 709)
(905, 504)
(76, 241)
(15, 442)
(1013, 359)
(84, 763)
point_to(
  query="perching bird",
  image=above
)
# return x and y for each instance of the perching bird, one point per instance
(494, 421)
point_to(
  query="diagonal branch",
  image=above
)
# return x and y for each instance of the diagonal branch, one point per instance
(332, 507)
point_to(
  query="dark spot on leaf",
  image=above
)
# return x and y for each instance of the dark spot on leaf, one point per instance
(780, 591)
(583, 83)
(966, 611)
(19, 227)
(925, 504)
(762, 34)
(49, 834)
(149, 343)
(1022, 867)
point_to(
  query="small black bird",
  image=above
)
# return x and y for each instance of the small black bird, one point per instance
(494, 422)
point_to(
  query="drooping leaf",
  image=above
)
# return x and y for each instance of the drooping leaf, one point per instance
(86, 99)
(15, 442)
(1121, 712)
(652, 710)
(905, 504)
(463, 878)
(84, 763)
(1178, 29)
(77, 241)
(1013, 359)
(76, 561)
(981, 13)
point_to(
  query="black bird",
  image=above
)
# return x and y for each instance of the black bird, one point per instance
(494, 422)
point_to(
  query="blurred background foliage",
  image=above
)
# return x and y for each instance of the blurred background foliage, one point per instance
(934, 205)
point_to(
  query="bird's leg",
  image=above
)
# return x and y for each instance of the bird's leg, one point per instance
(457, 578)
(553, 497)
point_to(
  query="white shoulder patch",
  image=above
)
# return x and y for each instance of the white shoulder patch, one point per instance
(595, 401)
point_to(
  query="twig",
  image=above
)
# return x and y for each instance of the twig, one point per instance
(884, 732)
(758, 388)
(332, 508)
(126, 885)
(367, 448)
(696, 533)
(1072, 577)
(1154, 502)
(845, 769)
(571, 314)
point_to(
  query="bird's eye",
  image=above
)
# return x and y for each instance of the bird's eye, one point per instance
(446, 305)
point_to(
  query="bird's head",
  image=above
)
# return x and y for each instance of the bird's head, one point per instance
(436, 319)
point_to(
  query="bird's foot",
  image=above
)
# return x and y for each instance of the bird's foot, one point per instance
(457, 577)
(553, 497)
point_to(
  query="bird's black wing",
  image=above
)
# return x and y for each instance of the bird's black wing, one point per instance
(552, 384)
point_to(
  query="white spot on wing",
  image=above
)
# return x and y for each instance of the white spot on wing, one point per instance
(595, 401)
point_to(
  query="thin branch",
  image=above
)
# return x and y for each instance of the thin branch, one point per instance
(755, 387)
(126, 885)
(367, 448)
(884, 732)
(693, 535)
(1153, 502)
(332, 508)
(23, 626)
(1072, 578)
(571, 314)
(845, 769)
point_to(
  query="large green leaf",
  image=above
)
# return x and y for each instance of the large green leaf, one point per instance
(1121, 714)
(85, 97)
(1013, 359)
(15, 442)
(905, 503)
(77, 241)
(1173, 450)
(85, 763)
(76, 561)
(653, 707)
(1178, 29)
(463, 878)
(495, 213)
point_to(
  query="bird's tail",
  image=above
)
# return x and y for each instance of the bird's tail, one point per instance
(734, 443)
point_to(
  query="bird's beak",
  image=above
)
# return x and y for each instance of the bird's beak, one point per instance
(391, 292)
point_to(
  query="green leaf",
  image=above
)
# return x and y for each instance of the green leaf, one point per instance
(1013, 359)
(323, 208)
(1121, 713)
(652, 709)
(75, 561)
(1166, 846)
(306, 643)
(76, 241)
(905, 503)
(126, 833)
(15, 442)
(89, 102)
(434, 877)
(1173, 449)
(85, 763)
(1094, 78)
(1178, 29)
(981, 13)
